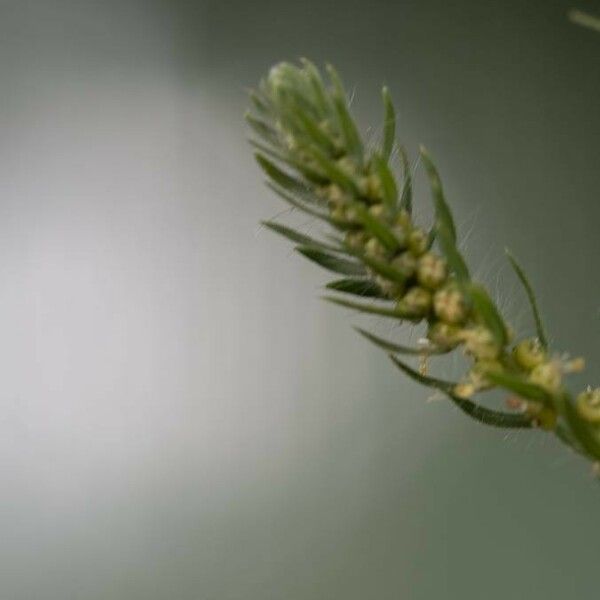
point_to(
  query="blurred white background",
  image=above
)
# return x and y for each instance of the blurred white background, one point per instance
(180, 416)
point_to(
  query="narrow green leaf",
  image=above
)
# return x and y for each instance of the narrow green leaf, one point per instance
(372, 309)
(388, 183)
(521, 387)
(433, 382)
(397, 348)
(310, 174)
(320, 95)
(486, 309)
(389, 124)
(299, 238)
(479, 413)
(539, 326)
(442, 210)
(332, 262)
(262, 129)
(564, 434)
(349, 130)
(259, 103)
(287, 182)
(406, 195)
(302, 206)
(456, 263)
(491, 417)
(358, 287)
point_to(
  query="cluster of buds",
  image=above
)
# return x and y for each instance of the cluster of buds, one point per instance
(321, 167)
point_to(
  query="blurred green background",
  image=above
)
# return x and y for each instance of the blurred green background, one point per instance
(180, 416)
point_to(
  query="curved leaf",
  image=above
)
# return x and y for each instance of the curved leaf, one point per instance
(406, 195)
(442, 210)
(524, 389)
(486, 309)
(281, 178)
(389, 124)
(372, 309)
(539, 326)
(299, 238)
(397, 348)
(331, 262)
(359, 287)
(388, 183)
(349, 131)
(479, 413)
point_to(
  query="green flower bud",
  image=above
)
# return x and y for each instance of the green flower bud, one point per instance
(548, 376)
(418, 241)
(416, 301)
(405, 263)
(588, 405)
(444, 335)
(431, 271)
(375, 249)
(450, 305)
(529, 353)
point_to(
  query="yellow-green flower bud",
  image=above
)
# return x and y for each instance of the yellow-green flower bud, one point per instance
(351, 215)
(339, 215)
(450, 305)
(529, 353)
(476, 378)
(548, 376)
(484, 366)
(588, 405)
(418, 241)
(464, 389)
(356, 239)
(444, 335)
(403, 220)
(374, 188)
(336, 196)
(379, 211)
(348, 165)
(375, 249)
(405, 263)
(480, 343)
(431, 271)
(391, 289)
(416, 301)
